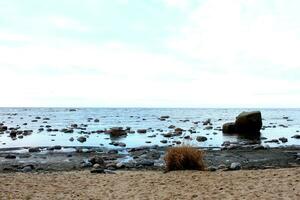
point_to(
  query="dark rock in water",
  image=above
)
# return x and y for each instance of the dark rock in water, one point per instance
(116, 132)
(283, 139)
(164, 141)
(113, 151)
(34, 120)
(96, 120)
(164, 117)
(235, 166)
(201, 138)
(71, 139)
(207, 122)
(34, 150)
(171, 126)
(208, 128)
(178, 130)
(97, 160)
(142, 130)
(248, 122)
(296, 136)
(3, 128)
(67, 130)
(13, 134)
(81, 139)
(187, 137)
(272, 141)
(168, 135)
(72, 110)
(10, 156)
(57, 147)
(229, 127)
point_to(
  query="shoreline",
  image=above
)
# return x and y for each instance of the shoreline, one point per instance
(143, 158)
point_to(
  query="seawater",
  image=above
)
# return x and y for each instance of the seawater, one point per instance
(140, 118)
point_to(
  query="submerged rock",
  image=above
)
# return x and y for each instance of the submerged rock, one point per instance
(81, 139)
(201, 138)
(296, 136)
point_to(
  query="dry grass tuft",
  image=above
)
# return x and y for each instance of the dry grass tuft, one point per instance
(184, 158)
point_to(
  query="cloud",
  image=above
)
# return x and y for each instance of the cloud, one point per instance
(65, 23)
(9, 36)
(228, 35)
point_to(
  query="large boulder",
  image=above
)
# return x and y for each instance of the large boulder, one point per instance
(229, 127)
(248, 122)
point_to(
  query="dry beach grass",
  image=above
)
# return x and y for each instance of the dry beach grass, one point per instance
(184, 158)
(254, 184)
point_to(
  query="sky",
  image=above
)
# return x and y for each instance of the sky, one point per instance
(152, 53)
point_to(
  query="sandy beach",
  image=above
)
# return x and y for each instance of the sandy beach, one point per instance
(243, 184)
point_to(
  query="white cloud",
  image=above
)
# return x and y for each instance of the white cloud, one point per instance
(66, 23)
(180, 4)
(230, 34)
(13, 37)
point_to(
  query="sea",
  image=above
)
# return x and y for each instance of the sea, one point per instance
(277, 122)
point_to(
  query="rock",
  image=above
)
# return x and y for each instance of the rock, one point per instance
(96, 120)
(272, 141)
(171, 126)
(98, 171)
(229, 127)
(81, 139)
(235, 166)
(296, 136)
(222, 166)
(34, 150)
(113, 151)
(96, 160)
(10, 156)
(120, 165)
(117, 132)
(145, 163)
(212, 168)
(248, 122)
(71, 139)
(283, 139)
(72, 110)
(201, 138)
(86, 165)
(207, 122)
(258, 146)
(208, 128)
(164, 141)
(27, 168)
(142, 130)
(164, 117)
(3, 128)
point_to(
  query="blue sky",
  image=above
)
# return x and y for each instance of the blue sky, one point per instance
(154, 53)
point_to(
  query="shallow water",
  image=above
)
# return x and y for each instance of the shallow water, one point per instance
(139, 118)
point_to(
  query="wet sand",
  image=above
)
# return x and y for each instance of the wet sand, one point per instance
(243, 184)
